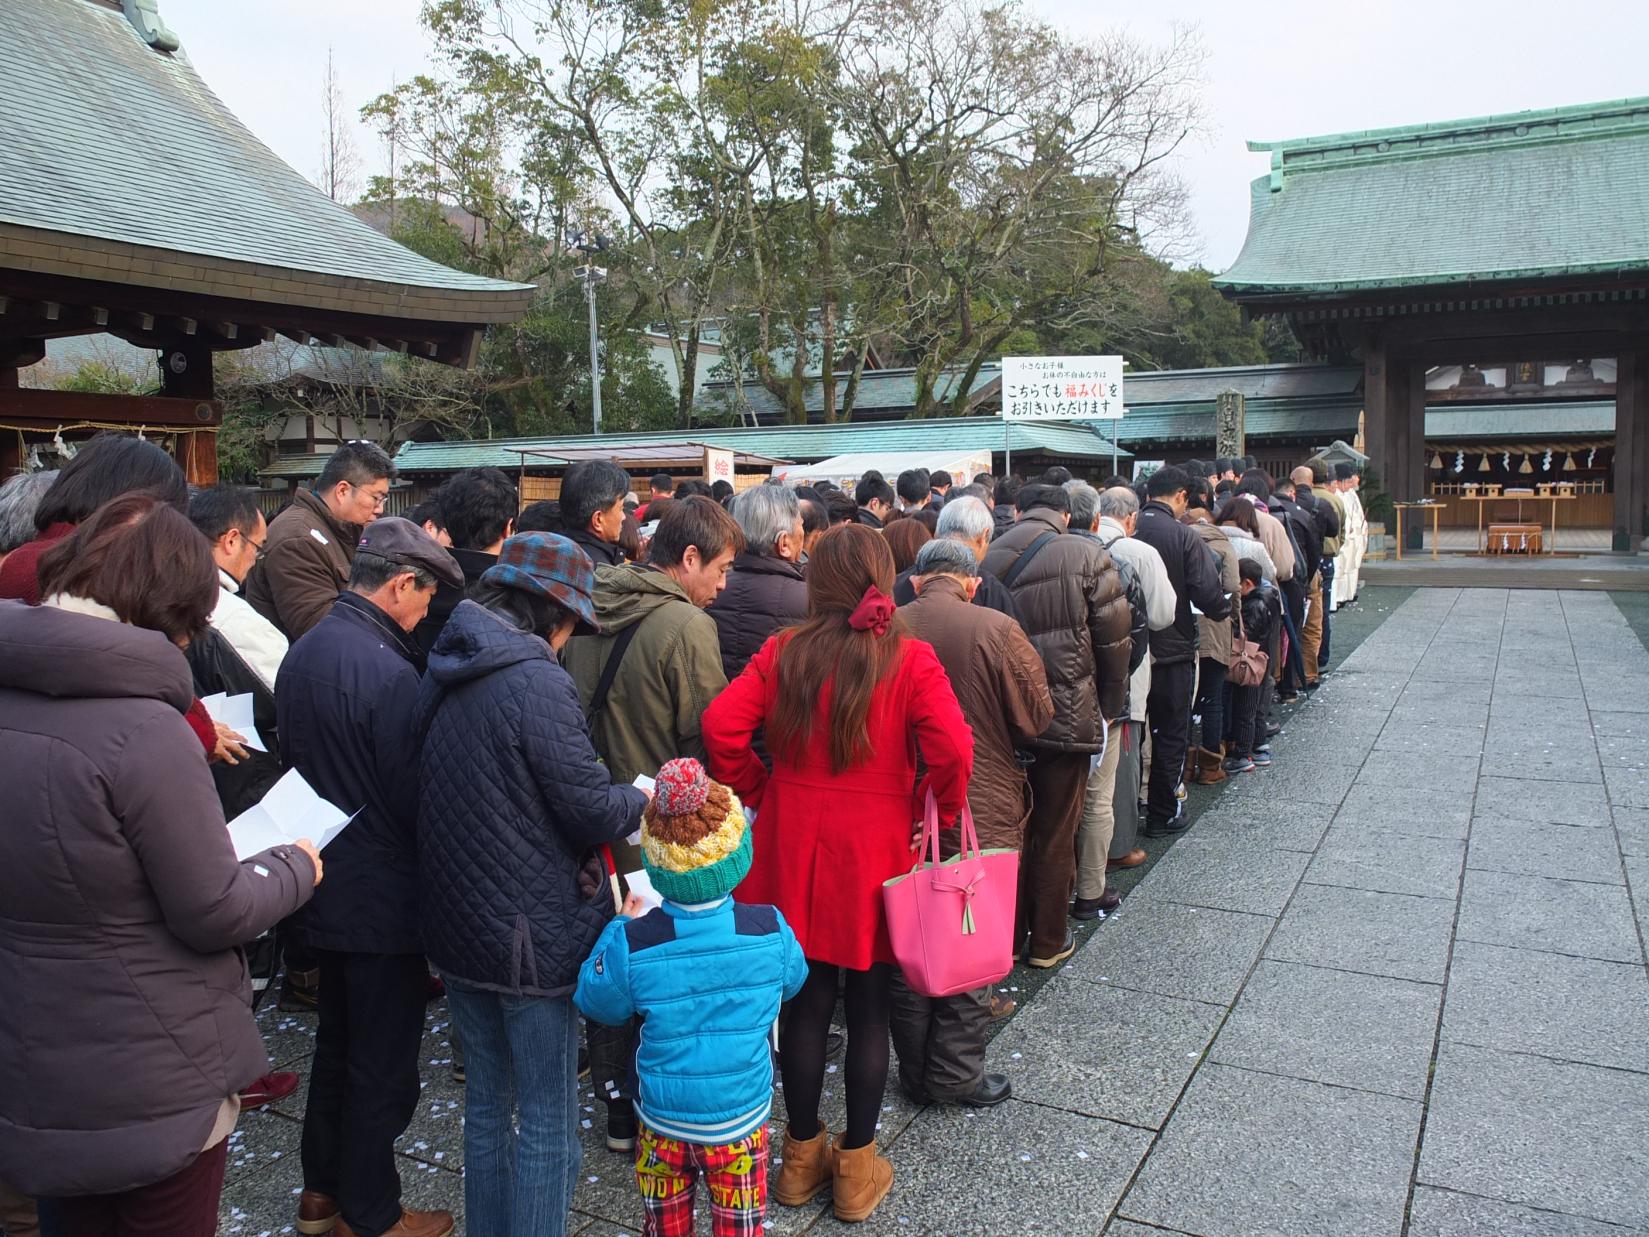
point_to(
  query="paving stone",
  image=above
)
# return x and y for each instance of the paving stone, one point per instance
(1103, 1051)
(1455, 693)
(289, 1039)
(1419, 811)
(1281, 824)
(1581, 1009)
(1363, 858)
(1428, 737)
(1549, 1134)
(1538, 912)
(1637, 877)
(1305, 781)
(1049, 1172)
(1127, 1228)
(1628, 786)
(1224, 875)
(605, 1228)
(1173, 950)
(1250, 1153)
(1512, 707)
(1566, 803)
(1442, 771)
(1359, 930)
(1513, 677)
(1366, 1031)
(259, 1141)
(1621, 725)
(1570, 852)
(1628, 751)
(1542, 766)
(1445, 1213)
(1632, 828)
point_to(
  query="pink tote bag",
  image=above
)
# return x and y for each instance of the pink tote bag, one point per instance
(952, 921)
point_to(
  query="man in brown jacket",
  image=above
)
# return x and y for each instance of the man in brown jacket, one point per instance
(306, 559)
(1072, 606)
(1003, 690)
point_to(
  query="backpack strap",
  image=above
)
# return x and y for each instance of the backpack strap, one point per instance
(1025, 557)
(609, 670)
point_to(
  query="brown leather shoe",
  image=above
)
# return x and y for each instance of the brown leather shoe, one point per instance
(317, 1213)
(1132, 859)
(411, 1224)
(805, 1171)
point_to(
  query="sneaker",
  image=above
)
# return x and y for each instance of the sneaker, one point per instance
(1272, 730)
(1180, 792)
(1168, 828)
(268, 1089)
(1054, 959)
(621, 1126)
(1262, 747)
(1238, 764)
(1261, 758)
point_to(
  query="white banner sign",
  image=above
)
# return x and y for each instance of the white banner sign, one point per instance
(1062, 388)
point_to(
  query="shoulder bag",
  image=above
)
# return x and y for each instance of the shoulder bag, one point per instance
(1248, 660)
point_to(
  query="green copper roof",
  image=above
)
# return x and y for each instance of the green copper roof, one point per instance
(1564, 191)
(1465, 422)
(799, 444)
(108, 137)
(880, 390)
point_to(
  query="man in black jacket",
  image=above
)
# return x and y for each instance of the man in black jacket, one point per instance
(592, 509)
(479, 506)
(1327, 524)
(765, 590)
(875, 498)
(1193, 572)
(346, 699)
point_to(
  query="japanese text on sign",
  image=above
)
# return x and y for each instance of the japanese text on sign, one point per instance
(1062, 388)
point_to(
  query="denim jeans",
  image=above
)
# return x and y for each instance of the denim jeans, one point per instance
(521, 1060)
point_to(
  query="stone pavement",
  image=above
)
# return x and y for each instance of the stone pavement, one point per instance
(1394, 984)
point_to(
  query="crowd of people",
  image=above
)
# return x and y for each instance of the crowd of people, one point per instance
(741, 705)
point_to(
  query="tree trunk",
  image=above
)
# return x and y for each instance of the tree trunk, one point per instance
(851, 395)
(689, 377)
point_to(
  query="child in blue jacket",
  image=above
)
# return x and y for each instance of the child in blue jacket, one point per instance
(707, 974)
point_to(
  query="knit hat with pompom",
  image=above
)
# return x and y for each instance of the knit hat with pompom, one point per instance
(695, 843)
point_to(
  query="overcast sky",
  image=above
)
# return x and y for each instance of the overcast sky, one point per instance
(1277, 69)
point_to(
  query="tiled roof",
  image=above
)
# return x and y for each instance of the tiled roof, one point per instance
(880, 390)
(1316, 419)
(801, 444)
(108, 138)
(1542, 193)
(1462, 423)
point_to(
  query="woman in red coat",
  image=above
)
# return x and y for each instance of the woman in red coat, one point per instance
(845, 700)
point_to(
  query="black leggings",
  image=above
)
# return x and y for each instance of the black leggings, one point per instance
(802, 1049)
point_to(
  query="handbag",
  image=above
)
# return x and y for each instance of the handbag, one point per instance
(951, 922)
(1248, 660)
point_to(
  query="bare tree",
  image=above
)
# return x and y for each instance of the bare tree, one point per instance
(340, 163)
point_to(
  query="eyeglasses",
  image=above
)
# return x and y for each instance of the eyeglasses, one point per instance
(378, 500)
(257, 548)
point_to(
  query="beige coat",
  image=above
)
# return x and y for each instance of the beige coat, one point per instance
(1214, 635)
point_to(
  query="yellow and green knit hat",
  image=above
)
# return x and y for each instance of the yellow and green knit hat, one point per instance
(695, 842)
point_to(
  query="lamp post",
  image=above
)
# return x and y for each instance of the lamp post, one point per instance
(592, 277)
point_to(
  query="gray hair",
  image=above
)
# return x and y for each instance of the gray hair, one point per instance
(766, 513)
(370, 572)
(19, 498)
(1118, 502)
(966, 518)
(945, 557)
(1084, 504)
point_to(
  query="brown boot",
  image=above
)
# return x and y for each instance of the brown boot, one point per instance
(862, 1180)
(411, 1224)
(805, 1171)
(1209, 772)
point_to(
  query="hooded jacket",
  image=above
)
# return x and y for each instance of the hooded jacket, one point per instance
(512, 803)
(1214, 635)
(670, 673)
(126, 1021)
(1194, 573)
(345, 699)
(1073, 608)
(305, 565)
(763, 594)
(1003, 690)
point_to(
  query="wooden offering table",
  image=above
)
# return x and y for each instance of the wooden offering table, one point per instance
(1431, 505)
(1518, 536)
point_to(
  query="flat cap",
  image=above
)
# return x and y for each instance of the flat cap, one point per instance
(550, 566)
(402, 541)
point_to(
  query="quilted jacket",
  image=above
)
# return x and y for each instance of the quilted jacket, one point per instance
(1073, 608)
(513, 803)
(708, 982)
(763, 594)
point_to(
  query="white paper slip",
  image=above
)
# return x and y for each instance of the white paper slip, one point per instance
(235, 712)
(288, 811)
(642, 886)
(642, 782)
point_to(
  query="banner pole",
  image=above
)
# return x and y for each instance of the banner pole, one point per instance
(1007, 445)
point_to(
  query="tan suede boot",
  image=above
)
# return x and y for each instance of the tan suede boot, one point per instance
(1209, 772)
(862, 1180)
(805, 1171)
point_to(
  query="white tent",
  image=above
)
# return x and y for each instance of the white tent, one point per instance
(845, 469)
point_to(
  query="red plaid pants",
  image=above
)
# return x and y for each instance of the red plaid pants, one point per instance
(735, 1174)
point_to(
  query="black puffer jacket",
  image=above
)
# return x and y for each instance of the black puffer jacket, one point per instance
(514, 802)
(1072, 606)
(1195, 575)
(763, 594)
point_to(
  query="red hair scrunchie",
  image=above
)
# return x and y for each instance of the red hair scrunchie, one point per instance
(874, 613)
